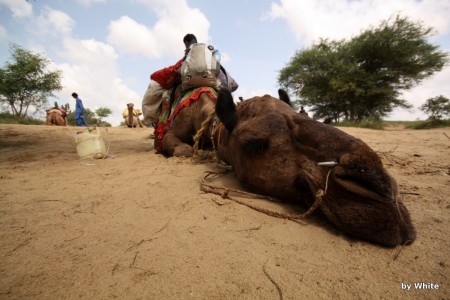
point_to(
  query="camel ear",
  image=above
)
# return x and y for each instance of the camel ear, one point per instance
(226, 109)
(284, 97)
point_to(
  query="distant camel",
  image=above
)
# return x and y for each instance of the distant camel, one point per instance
(56, 116)
(131, 116)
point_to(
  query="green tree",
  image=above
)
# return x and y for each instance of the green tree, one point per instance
(66, 107)
(25, 82)
(363, 77)
(102, 112)
(437, 107)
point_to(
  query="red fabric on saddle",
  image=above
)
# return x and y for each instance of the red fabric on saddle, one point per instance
(166, 77)
(160, 131)
(162, 128)
(192, 98)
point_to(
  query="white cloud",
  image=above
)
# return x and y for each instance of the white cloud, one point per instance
(339, 19)
(247, 94)
(429, 88)
(91, 70)
(164, 38)
(54, 22)
(133, 38)
(224, 57)
(18, 8)
(88, 3)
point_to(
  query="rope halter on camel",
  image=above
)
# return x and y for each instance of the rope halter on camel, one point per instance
(205, 124)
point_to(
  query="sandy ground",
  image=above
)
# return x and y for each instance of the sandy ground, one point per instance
(136, 226)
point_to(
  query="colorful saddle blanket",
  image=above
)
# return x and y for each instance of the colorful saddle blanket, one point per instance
(169, 112)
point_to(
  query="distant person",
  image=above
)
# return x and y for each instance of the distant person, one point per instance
(303, 111)
(79, 111)
(328, 120)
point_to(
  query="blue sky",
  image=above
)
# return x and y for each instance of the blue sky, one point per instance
(107, 49)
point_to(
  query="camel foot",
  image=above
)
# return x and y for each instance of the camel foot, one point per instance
(183, 150)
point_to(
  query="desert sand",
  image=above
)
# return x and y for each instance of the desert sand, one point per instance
(137, 226)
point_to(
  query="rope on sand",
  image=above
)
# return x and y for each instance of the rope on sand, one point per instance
(224, 193)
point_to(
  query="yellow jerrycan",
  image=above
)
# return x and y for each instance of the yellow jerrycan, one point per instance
(90, 144)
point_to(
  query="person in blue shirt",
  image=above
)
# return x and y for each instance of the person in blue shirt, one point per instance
(79, 111)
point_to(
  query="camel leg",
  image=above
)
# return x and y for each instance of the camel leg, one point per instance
(172, 146)
(59, 120)
(127, 123)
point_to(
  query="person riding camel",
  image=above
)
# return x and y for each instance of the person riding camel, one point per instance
(188, 40)
(163, 81)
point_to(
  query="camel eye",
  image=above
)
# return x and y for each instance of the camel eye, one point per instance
(255, 146)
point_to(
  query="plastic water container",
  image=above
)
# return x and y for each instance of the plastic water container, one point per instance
(90, 144)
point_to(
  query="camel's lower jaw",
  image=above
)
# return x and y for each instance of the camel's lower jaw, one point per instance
(364, 214)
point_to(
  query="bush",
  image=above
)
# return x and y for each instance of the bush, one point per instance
(365, 123)
(432, 123)
(437, 107)
(7, 118)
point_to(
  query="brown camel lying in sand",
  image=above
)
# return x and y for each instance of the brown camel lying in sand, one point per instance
(277, 152)
(132, 118)
(56, 117)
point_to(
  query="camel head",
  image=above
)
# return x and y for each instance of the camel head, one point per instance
(277, 152)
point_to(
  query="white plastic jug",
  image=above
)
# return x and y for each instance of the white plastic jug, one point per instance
(90, 144)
